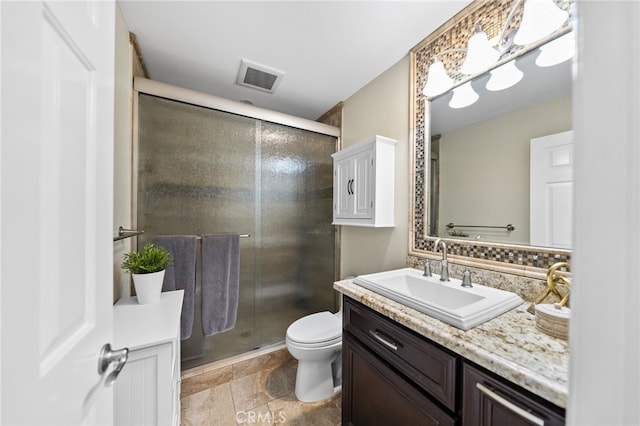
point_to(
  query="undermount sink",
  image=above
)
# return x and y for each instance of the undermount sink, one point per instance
(449, 302)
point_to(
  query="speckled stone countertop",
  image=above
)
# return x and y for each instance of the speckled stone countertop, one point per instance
(509, 345)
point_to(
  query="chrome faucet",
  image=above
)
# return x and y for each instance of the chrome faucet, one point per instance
(444, 269)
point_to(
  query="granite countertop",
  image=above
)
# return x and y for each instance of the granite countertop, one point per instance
(509, 345)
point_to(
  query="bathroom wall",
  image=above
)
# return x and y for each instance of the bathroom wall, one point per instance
(486, 166)
(381, 107)
(122, 152)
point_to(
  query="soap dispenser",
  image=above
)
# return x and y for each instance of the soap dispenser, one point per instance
(427, 268)
(466, 279)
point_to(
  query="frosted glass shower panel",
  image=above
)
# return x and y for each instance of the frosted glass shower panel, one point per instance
(196, 169)
(298, 244)
(204, 171)
(197, 175)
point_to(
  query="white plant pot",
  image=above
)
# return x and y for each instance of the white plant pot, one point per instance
(148, 286)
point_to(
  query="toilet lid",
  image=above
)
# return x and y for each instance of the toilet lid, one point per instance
(315, 328)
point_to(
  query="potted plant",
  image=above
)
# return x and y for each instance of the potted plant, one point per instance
(147, 268)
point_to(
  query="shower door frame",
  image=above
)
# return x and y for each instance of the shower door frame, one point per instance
(174, 93)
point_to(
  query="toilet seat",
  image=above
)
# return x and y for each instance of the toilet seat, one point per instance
(319, 329)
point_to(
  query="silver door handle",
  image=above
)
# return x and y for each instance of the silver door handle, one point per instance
(510, 405)
(379, 338)
(108, 357)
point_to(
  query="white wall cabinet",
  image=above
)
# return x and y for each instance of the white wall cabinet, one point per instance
(364, 183)
(147, 391)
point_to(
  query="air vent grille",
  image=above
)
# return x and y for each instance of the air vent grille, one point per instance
(258, 76)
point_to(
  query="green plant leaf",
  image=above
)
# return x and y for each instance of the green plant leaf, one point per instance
(151, 259)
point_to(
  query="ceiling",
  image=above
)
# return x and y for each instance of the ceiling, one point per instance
(328, 50)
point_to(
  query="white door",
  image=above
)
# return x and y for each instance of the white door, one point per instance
(56, 197)
(551, 185)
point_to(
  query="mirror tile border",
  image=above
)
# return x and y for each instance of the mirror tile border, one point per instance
(513, 259)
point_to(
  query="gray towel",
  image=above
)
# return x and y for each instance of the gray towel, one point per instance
(220, 282)
(181, 274)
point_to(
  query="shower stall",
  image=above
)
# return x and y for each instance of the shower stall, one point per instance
(201, 170)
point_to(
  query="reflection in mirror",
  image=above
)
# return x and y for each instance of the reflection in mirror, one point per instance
(481, 168)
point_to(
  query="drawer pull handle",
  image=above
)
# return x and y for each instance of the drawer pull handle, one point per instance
(390, 345)
(510, 405)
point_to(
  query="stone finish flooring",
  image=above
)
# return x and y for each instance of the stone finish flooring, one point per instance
(257, 390)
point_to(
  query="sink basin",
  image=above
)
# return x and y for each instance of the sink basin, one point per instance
(461, 307)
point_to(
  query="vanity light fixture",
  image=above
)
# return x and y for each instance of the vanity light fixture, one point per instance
(463, 96)
(480, 54)
(557, 51)
(540, 19)
(504, 76)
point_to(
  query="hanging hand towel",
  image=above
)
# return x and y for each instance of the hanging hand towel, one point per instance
(220, 282)
(181, 274)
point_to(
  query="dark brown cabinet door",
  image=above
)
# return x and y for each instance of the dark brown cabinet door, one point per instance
(487, 401)
(429, 367)
(375, 394)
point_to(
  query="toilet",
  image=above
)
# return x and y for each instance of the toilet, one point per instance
(316, 342)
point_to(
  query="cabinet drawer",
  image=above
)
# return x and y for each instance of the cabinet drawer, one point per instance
(426, 364)
(375, 394)
(489, 401)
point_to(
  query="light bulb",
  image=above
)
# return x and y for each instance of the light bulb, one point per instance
(504, 76)
(557, 51)
(540, 18)
(463, 96)
(438, 81)
(480, 54)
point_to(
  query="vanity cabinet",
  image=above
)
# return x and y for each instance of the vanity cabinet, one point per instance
(364, 184)
(392, 375)
(147, 391)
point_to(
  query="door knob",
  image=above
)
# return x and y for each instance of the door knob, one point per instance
(109, 357)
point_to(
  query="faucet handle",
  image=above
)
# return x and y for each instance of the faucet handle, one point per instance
(466, 279)
(427, 268)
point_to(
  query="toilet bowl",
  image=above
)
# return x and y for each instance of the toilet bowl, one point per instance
(316, 342)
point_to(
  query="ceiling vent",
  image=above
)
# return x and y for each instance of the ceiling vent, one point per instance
(259, 76)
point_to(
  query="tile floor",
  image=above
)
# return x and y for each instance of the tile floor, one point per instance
(255, 390)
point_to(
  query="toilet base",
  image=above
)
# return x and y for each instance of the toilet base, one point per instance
(315, 381)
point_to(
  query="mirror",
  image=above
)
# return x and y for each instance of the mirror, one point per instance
(479, 172)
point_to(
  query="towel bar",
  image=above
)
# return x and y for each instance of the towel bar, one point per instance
(126, 233)
(241, 236)
(509, 227)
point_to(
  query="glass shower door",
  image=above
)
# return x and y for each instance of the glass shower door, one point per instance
(202, 171)
(197, 175)
(297, 247)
